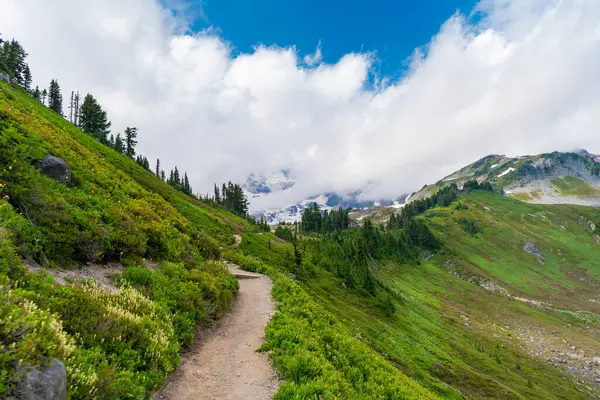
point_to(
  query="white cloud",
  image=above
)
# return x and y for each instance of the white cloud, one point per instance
(313, 59)
(524, 80)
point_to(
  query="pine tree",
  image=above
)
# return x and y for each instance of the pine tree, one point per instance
(162, 174)
(187, 189)
(157, 167)
(12, 61)
(119, 144)
(217, 195)
(93, 120)
(111, 141)
(37, 94)
(43, 96)
(54, 97)
(130, 142)
(27, 78)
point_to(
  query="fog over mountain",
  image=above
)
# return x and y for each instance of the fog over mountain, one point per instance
(522, 79)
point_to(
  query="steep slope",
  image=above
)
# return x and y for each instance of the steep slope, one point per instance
(119, 336)
(484, 316)
(114, 342)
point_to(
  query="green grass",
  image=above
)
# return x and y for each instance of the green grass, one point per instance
(427, 331)
(114, 345)
(428, 337)
(572, 186)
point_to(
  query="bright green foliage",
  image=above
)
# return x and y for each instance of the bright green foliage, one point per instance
(121, 344)
(320, 359)
(285, 233)
(431, 319)
(572, 186)
(193, 295)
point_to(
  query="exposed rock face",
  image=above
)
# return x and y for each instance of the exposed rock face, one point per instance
(531, 248)
(56, 168)
(46, 383)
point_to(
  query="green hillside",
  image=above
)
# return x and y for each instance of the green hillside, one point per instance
(121, 342)
(481, 318)
(444, 304)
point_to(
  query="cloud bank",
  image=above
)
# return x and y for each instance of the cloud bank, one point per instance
(523, 79)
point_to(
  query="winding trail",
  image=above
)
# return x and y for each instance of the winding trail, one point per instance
(223, 363)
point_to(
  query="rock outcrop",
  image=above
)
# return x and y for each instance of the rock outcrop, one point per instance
(531, 248)
(47, 383)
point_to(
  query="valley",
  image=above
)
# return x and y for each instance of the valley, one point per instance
(473, 287)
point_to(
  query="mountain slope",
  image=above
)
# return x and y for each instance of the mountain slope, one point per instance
(119, 336)
(114, 342)
(481, 317)
(550, 178)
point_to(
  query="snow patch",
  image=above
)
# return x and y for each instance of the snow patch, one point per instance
(507, 171)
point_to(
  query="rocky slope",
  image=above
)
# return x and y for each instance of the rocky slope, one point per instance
(550, 178)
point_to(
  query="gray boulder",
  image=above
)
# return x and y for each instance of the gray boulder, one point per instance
(531, 248)
(47, 383)
(56, 168)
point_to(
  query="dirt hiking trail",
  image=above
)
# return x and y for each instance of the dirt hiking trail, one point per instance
(223, 363)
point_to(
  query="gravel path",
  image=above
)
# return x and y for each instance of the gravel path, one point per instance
(223, 363)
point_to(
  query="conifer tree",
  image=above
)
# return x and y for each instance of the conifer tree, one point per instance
(93, 119)
(55, 97)
(130, 142)
(27, 78)
(111, 141)
(43, 96)
(119, 144)
(37, 94)
(157, 167)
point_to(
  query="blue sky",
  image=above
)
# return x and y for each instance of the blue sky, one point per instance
(391, 29)
(525, 81)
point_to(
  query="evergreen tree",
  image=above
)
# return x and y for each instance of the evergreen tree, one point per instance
(130, 142)
(93, 120)
(27, 78)
(162, 174)
(111, 141)
(119, 144)
(12, 61)
(55, 97)
(43, 96)
(157, 167)
(217, 195)
(37, 94)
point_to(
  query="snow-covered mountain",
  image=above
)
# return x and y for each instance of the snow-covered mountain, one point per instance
(259, 187)
(259, 184)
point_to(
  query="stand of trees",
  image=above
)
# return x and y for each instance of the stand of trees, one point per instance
(13, 65)
(231, 197)
(181, 183)
(313, 221)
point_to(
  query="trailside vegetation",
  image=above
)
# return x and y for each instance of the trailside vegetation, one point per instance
(116, 342)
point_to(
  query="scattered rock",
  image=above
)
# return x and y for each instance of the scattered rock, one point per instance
(531, 248)
(56, 168)
(48, 383)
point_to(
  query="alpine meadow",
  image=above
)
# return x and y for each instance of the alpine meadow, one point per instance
(125, 276)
